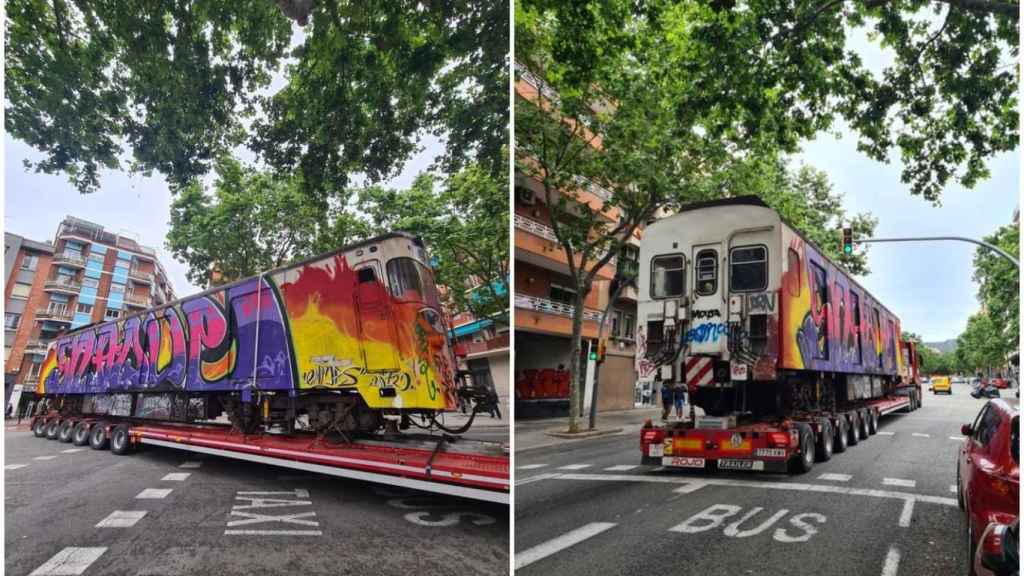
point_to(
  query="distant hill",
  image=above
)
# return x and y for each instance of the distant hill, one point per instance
(945, 347)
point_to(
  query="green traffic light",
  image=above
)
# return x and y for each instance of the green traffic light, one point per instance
(593, 355)
(848, 248)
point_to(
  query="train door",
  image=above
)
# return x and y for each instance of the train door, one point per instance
(378, 337)
(707, 323)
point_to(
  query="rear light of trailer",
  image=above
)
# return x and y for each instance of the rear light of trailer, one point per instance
(778, 439)
(651, 436)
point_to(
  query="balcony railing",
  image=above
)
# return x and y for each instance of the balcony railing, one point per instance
(64, 283)
(36, 346)
(137, 300)
(69, 259)
(60, 313)
(551, 307)
(138, 275)
(593, 187)
(541, 86)
(547, 232)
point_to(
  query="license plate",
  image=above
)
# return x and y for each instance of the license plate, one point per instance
(655, 450)
(727, 464)
(683, 462)
(771, 452)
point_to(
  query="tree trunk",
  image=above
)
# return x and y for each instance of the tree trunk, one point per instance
(574, 360)
(600, 333)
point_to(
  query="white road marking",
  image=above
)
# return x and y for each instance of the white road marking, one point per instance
(121, 519)
(529, 479)
(835, 477)
(71, 450)
(621, 467)
(256, 518)
(275, 532)
(190, 465)
(176, 476)
(709, 518)
(907, 512)
(687, 488)
(883, 433)
(957, 438)
(530, 466)
(298, 493)
(892, 562)
(69, 561)
(571, 538)
(44, 457)
(153, 493)
(14, 466)
(920, 435)
(574, 467)
(899, 482)
(952, 488)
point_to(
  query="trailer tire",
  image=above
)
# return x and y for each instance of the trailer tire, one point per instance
(120, 440)
(826, 441)
(803, 462)
(80, 435)
(98, 437)
(52, 429)
(842, 439)
(39, 427)
(862, 427)
(852, 433)
(872, 421)
(66, 428)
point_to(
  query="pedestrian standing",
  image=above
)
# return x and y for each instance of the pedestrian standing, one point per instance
(666, 400)
(680, 400)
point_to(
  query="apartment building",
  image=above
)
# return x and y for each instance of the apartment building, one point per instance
(544, 293)
(89, 275)
(485, 346)
(26, 265)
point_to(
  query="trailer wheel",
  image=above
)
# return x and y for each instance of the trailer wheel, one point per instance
(52, 429)
(66, 428)
(862, 428)
(842, 436)
(804, 461)
(98, 437)
(852, 433)
(120, 441)
(825, 441)
(39, 427)
(80, 436)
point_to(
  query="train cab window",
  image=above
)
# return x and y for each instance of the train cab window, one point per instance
(367, 275)
(707, 272)
(405, 280)
(748, 269)
(667, 277)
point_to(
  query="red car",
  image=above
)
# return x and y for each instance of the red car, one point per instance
(1001, 383)
(987, 473)
(998, 552)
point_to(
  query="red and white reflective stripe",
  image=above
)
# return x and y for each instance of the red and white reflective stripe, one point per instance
(698, 371)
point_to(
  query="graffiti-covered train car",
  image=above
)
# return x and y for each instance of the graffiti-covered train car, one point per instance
(338, 342)
(751, 316)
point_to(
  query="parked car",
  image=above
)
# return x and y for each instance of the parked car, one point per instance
(997, 553)
(941, 384)
(1001, 383)
(987, 470)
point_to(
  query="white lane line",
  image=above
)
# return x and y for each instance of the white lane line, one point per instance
(919, 435)
(190, 465)
(571, 538)
(176, 476)
(71, 450)
(153, 493)
(574, 467)
(121, 519)
(275, 532)
(14, 466)
(687, 488)
(884, 433)
(622, 467)
(957, 438)
(530, 466)
(907, 513)
(538, 477)
(892, 562)
(899, 482)
(835, 477)
(44, 457)
(69, 561)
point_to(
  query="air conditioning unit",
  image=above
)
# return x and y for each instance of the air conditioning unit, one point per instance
(526, 196)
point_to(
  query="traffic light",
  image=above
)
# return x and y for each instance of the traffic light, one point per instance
(599, 351)
(847, 241)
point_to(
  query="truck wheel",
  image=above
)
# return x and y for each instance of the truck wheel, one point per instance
(803, 462)
(872, 421)
(120, 441)
(862, 428)
(841, 436)
(52, 429)
(825, 441)
(66, 427)
(80, 436)
(39, 427)
(852, 434)
(98, 437)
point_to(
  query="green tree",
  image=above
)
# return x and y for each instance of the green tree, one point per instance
(171, 85)
(982, 345)
(999, 285)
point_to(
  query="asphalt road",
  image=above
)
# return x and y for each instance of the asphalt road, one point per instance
(162, 511)
(883, 507)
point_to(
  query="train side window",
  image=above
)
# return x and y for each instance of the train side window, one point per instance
(794, 268)
(748, 269)
(667, 277)
(405, 280)
(707, 272)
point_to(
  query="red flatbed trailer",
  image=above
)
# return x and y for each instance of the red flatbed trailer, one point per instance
(442, 464)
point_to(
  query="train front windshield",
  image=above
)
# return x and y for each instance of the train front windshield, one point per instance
(411, 281)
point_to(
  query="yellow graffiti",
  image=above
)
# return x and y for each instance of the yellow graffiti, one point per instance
(797, 293)
(164, 358)
(216, 370)
(49, 365)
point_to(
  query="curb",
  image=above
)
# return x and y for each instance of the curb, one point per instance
(582, 435)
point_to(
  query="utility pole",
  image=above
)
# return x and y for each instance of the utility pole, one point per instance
(995, 249)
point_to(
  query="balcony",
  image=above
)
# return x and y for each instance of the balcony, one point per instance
(500, 342)
(137, 300)
(62, 284)
(140, 276)
(37, 346)
(69, 259)
(58, 313)
(540, 247)
(551, 307)
(544, 316)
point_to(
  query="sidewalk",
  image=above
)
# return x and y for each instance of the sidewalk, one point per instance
(534, 434)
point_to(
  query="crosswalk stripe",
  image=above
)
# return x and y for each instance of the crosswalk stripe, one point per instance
(919, 435)
(574, 467)
(69, 561)
(121, 519)
(14, 466)
(884, 433)
(621, 467)
(553, 546)
(530, 466)
(835, 477)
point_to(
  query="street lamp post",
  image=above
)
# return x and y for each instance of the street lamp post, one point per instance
(995, 249)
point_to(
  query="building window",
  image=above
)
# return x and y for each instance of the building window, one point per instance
(616, 324)
(97, 258)
(562, 294)
(112, 314)
(90, 283)
(21, 290)
(629, 327)
(7, 353)
(85, 308)
(629, 261)
(29, 262)
(667, 277)
(707, 272)
(11, 321)
(117, 288)
(748, 269)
